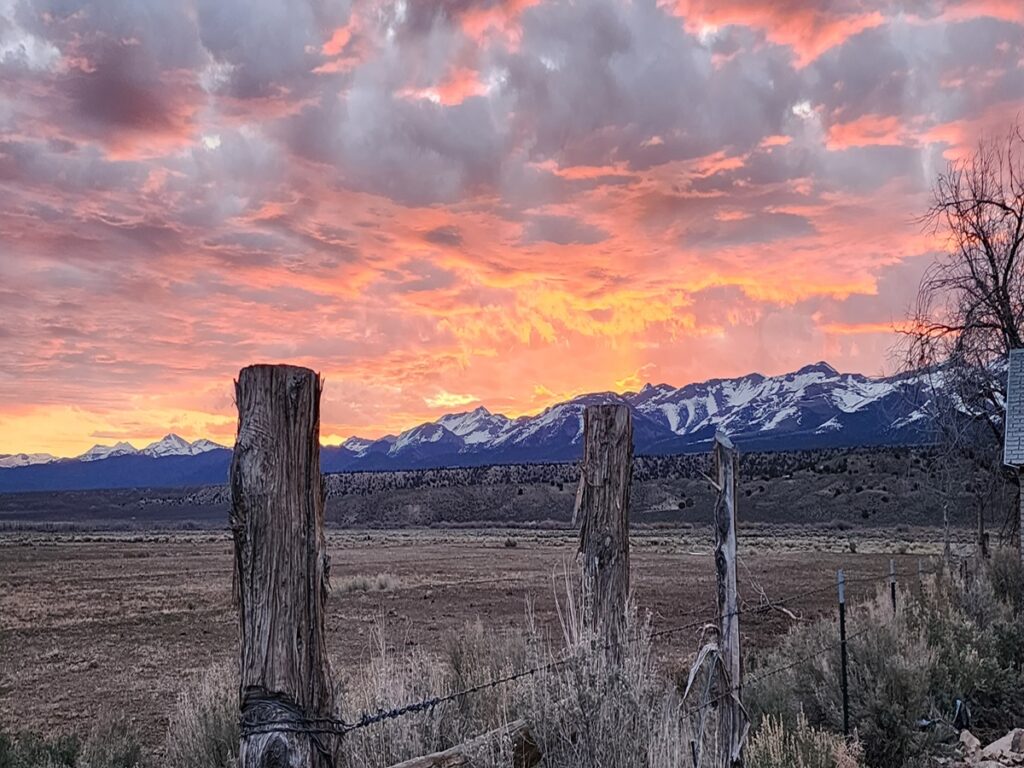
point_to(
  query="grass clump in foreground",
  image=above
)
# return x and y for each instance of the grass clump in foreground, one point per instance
(584, 712)
(110, 744)
(776, 745)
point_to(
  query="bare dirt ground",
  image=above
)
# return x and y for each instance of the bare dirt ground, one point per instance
(121, 622)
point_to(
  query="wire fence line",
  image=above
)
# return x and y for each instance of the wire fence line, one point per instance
(755, 679)
(285, 717)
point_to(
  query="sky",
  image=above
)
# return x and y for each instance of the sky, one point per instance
(441, 204)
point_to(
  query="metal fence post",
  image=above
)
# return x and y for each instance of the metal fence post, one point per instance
(843, 653)
(892, 583)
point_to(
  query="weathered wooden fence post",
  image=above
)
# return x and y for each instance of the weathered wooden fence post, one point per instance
(732, 718)
(602, 503)
(281, 569)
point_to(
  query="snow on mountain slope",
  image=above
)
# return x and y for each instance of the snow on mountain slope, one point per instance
(815, 406)
(25, 459)
(203, 445)
(429, 434)
(813, 398)
(169, 445)
(476, 427)
(100, 452)
(357, 445)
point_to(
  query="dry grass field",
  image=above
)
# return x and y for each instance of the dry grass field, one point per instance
(118, 622)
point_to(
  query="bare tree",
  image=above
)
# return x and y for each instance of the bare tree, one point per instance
(970, 307)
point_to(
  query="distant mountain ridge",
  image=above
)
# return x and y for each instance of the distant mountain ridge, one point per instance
(168, 445)
(814, 407)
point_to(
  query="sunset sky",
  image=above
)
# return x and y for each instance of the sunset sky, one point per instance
(441, 205)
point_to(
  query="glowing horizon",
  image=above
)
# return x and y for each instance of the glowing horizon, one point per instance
(440, 205)
(456, 407)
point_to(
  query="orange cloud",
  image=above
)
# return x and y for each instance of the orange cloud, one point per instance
(459, 84)
(546, 253)
(499, 20)
(869, 130)
(338, 40)
(809, 27)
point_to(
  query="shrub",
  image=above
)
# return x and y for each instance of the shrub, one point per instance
(888, 682)
(29, 750)
(954, 642)
(977, 634)
(111, 743)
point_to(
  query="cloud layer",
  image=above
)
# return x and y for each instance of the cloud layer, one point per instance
(445, 202)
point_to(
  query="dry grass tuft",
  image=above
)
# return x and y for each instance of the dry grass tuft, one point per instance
(776, 745)
(203, 731)
(382, 582)
(583, 713)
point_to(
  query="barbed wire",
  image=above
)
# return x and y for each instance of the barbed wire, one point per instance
(752, 681)
(290, 722)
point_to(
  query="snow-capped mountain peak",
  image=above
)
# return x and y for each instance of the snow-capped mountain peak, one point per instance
(169, 445)
(428, 434)
(815, 406)
(477, 426)
(819, 367)
(98, 452)
(202, 445)
(174, 445)
(24, 459)
(357, 444)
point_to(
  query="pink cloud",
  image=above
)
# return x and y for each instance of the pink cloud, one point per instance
(516, 201)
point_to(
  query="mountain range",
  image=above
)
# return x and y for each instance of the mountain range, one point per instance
(814, 407)
(169, 445)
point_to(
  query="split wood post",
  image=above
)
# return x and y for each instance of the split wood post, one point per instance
(516, 735)
(732, 719)
(602, 506)
(281, 568)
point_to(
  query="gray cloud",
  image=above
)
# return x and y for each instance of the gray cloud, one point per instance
(561, 230)
(760, 227)
(446, 235)
(268, 46)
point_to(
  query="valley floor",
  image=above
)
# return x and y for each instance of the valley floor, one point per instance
(121, 622)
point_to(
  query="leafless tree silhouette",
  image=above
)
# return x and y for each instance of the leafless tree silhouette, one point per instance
(970, 306)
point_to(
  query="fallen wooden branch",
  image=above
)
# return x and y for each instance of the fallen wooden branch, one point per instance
(525, 753)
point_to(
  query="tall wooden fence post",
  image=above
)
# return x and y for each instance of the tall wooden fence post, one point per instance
(732, 720)
(281, 568)
(602, 504)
